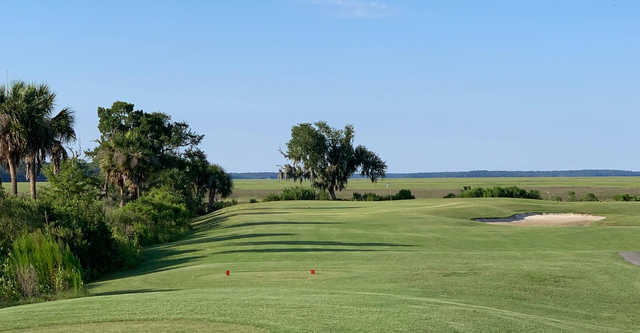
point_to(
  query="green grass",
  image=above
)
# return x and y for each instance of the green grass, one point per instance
(604, 187)
(415, 265)
(23, 187)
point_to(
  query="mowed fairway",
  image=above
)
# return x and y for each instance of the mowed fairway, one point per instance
(416, 265)
(550, 187)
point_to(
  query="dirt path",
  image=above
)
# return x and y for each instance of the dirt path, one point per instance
(544, 220)
(632, 257)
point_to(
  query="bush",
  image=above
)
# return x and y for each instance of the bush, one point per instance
(253, 200)
(223, 204)
(19, 216)
(590, 197)
(499, 192)
(156, 217)
(297, 193)
(39, 265)
(401, 195)
(571, 196)
(76, 216)
(626, 197)
(272, 197)
(450, 196)
(557, 198)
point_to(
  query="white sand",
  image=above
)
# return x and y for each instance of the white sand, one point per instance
(535, 219)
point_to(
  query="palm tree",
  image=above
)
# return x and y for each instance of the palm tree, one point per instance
(12, 104)
(43, 134)
(219, 183)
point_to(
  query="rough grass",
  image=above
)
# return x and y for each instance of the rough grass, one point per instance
(604, 187)
(416, 265)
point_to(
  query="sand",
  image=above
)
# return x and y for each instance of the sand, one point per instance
(544, 220)
(632, 257)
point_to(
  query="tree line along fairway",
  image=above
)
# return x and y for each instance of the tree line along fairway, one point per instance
(604, 188)
(415, 265)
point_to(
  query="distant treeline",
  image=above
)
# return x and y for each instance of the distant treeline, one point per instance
(462, 174)
(21, 175)
(473, 174)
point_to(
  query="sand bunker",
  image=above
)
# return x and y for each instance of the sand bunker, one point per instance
(632, 257)
(542, 219)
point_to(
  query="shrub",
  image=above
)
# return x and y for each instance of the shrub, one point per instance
(272, 197)
(322, 195)
(499, 192)
(156, 217)
(223, 204)
(372, 197)
(590, 197)
(253, 200)
(42, 265)
(557, 198)
(18, 216)
(571, 196)
(450, 196)
(77, 217)
(403, 194)
(298, 193)
(626, 197)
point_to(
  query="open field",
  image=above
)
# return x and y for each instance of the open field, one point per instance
(415, 265)
(604, 187)
(23, 187)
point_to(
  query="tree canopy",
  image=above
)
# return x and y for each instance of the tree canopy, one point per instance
(134, 145)
(327, 157)
(31, 131)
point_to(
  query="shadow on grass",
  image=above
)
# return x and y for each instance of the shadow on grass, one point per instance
(253, 224)
(213, 239)
(132, 291)
(156, 264)
(330, 243)
(294, 250)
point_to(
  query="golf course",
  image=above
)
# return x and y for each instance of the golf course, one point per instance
(320, 166)
(414, 265)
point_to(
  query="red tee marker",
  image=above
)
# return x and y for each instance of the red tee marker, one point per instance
(313, 271)
(228, 272)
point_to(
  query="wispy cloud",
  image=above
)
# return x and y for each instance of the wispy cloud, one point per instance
(356, 8)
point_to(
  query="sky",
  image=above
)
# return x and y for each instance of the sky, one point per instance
(447, 85)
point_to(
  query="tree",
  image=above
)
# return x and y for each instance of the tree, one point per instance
(327, 158)
(30, 131)
(218, 183)
(12, 102)
(135, 147)
(45, 134)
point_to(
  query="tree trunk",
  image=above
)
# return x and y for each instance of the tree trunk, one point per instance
(332, 193)
(14, 178)
(212, 200)
(121, 195)
(32, 179)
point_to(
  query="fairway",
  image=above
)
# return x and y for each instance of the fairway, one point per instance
(604, 187)
(415, 265)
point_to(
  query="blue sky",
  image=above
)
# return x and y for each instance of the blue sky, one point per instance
(429, 85)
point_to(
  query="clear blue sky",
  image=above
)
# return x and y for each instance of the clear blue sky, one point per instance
(429, 85)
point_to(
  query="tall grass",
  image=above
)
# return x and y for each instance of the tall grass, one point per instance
(42, 265)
